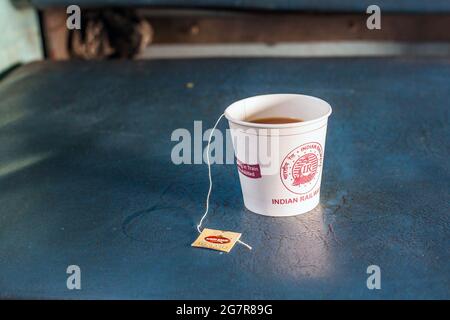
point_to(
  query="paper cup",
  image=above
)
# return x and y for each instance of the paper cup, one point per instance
(280, 165)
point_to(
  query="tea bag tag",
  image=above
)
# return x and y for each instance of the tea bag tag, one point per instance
(217, 240)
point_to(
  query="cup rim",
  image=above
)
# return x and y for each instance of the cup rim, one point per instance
(273, 126)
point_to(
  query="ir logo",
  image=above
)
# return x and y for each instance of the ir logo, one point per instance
(74, 20)
(74, 280)
(374, 20)
(374, 280)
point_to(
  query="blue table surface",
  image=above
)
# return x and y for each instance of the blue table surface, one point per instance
(86, 179)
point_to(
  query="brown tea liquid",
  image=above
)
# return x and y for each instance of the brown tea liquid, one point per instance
(274, 120)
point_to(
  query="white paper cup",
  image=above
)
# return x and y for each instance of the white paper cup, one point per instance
(280, 165)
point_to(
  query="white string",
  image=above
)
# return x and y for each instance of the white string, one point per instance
(210, 182)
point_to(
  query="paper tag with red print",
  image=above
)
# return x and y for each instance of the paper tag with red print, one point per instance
(217, 240)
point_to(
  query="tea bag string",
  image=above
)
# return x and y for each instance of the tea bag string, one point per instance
(210, 182)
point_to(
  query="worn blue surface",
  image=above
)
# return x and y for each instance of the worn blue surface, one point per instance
(419, 6)
(86, 179)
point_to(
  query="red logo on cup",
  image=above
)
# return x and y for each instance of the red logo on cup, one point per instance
(299, 169)
(217, 239)
(249, 170)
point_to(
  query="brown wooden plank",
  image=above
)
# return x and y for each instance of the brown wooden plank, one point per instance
(272, 28)
(175, 26)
